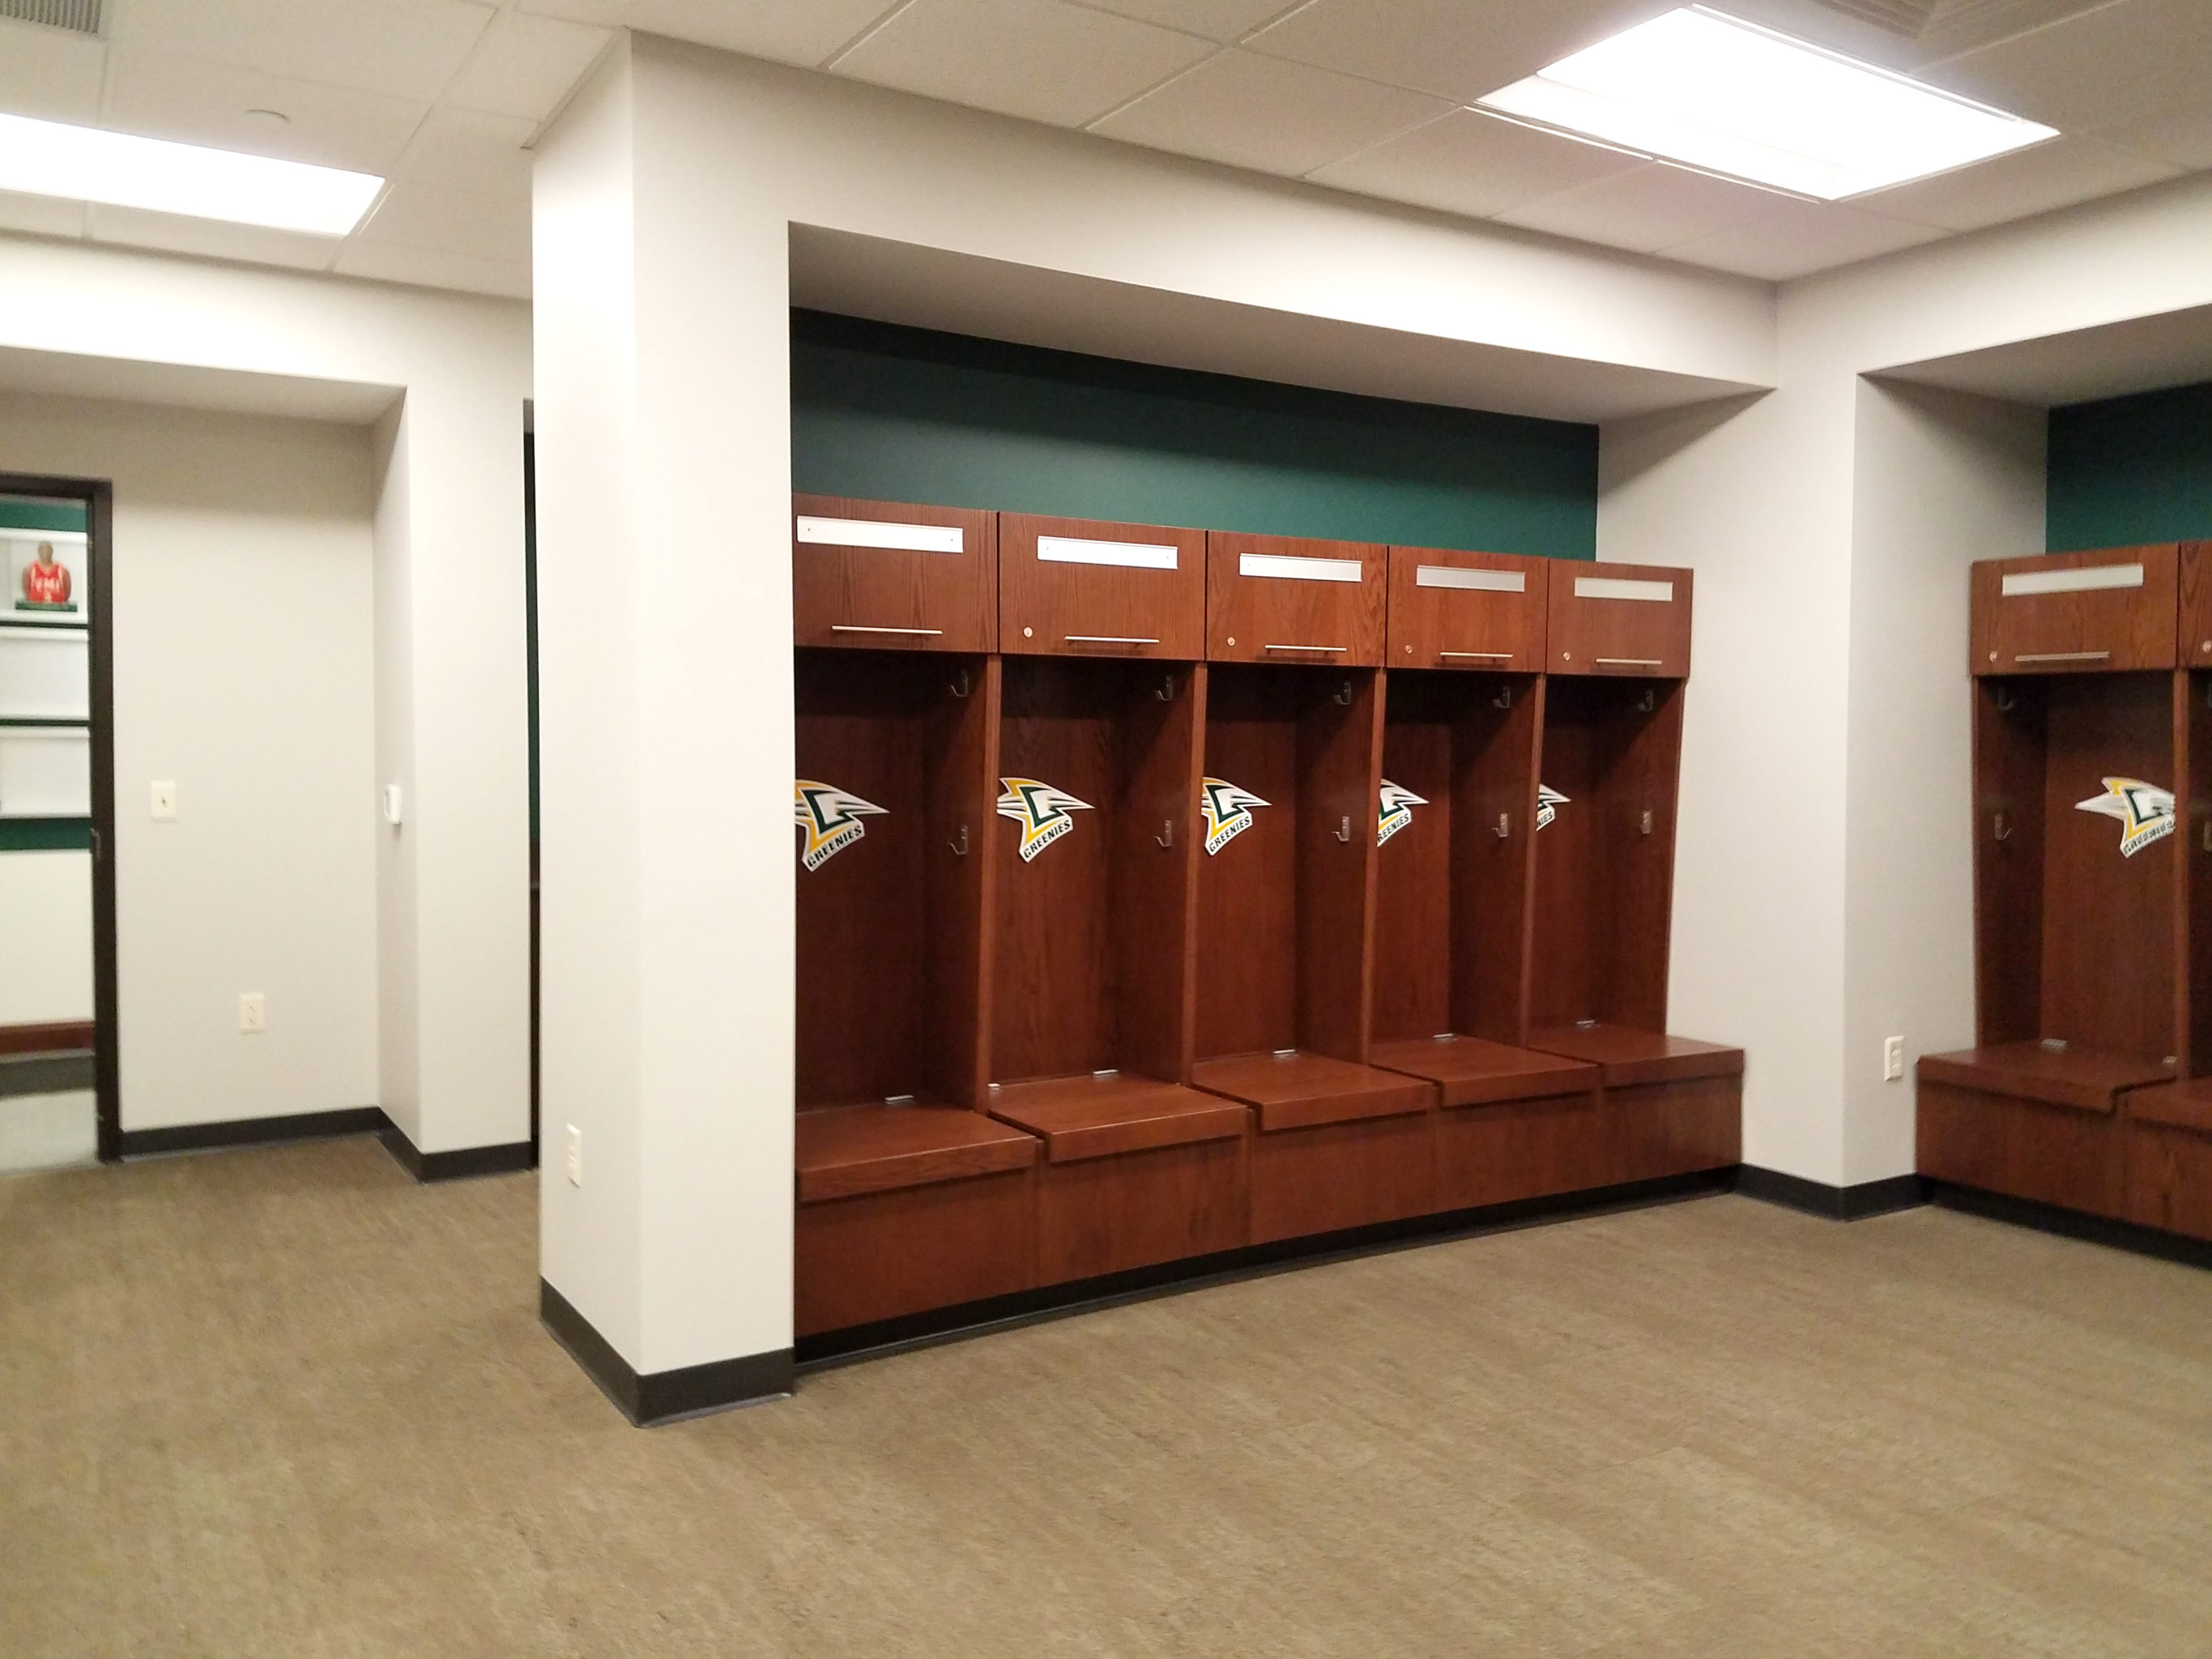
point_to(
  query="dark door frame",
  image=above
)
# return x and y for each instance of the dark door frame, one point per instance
(98, 496)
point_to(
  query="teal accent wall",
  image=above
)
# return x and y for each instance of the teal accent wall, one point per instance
(909, 415)
(28, 512)
(45, 835)
(2128, 469)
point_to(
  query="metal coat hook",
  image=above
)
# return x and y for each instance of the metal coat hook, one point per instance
(2003, 829)
(1166, 693)
(1504, 825)
(1644, 826)
(1648, 702)
(1344, 829)
(2006, 701)
(1504, 699)
(960, 688)
(960, 848)
(1166, 837)
(1345, 695)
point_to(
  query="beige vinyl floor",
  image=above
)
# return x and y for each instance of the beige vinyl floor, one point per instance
(285, 1402)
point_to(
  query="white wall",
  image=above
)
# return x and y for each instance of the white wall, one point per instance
(46, 970)
(243, 674)
(449, 513)
(665, 197)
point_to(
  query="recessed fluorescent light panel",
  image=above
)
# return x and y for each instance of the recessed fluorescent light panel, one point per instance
(1728, 97)
(84, 164)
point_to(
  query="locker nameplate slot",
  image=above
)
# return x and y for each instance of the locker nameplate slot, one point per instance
(1284, 566)
(1479, 581)
(1616, 587)
(2086, 580)
(877, 533)
(1130, 555)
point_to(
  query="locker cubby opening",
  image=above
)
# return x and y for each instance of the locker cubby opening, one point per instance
(1285, 946)
(889, 969)
(1452, 914)
(2074, 933)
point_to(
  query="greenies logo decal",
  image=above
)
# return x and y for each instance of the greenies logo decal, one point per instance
(1228, 811)
(2144, 810)
(831, 818)
(1042, 812)
(1549, 803)
(1397, 810)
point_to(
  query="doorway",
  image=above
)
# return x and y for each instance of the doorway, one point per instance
(59, 1103)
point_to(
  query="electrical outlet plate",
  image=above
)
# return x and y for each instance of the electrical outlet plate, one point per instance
(575, 1156)
(252, 1013)
(1893, 1059)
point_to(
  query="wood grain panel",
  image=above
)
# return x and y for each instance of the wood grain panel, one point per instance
(1676, 1128)
(2081, 1080)
(2108, 920)
(2193, 562)
(1496, 743)
(944, 601)
(1471, 1072)
(1459, 628)
(1105, 1216)
(1629, 1056)
(858, 1260)
(1087, 1117)
(1341, 767)
(1154, 897)
(963, 780)
(1518, 1149)
(1099, 610)
(2192, 864)
(1275, 619)
(2169, 1159)
(1413, 868)
(50, 1038)
(2008, 831)
(1297, 1090)
(1346, 1175)
(1640, 638)
(2007, 1143)
(2097, 631)
(844, 1151)
(1248, 932)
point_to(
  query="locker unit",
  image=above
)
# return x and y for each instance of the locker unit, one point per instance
(2093, 883)
(1213, 907)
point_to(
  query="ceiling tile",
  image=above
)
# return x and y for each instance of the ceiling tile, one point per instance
(49, 73)
(210, 238)
(2102, 68)
(42, 215)
(467, 149)
(402, 48)
(1037, 59)
(429, 267)
(1474, 164)
(525, 65)
(491, 227)
(2182, 136)
(1448, 47)
(2030, 182)
(198, 103)
(1798, 238)
(1654, 207)
(789, 31)
(1267, 113)
(1216, 19)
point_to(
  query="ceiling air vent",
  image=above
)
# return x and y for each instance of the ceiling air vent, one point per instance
(79, 16)
(1905, 17)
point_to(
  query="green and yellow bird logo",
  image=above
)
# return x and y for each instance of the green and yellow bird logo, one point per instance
(831, 818)
(1044, 813)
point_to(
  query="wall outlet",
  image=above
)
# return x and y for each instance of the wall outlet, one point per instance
(252, 1012)
(575, 1156)
(1893, 1059)
(164, 794)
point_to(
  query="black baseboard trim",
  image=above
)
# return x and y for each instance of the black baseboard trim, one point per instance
(253, 1132)
(661, 1397)
(458, 1165)
(2128, 1235)
(829, 1349)
(1906, 1192)
(46, 1074)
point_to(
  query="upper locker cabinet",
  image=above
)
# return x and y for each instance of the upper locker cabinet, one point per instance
(883, 576)
(1630, 619)
(1071, 587)
(1280, 599)
(2071, 613)
(1466, 610)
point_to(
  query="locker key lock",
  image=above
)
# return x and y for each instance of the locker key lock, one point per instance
(1028, 632)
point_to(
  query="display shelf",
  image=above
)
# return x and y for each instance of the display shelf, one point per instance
(889, 576)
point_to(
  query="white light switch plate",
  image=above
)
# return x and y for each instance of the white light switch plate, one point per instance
(164, 798)
(575, 1156)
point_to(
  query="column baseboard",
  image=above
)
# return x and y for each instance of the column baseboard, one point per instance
(1870, 1198)
(659, 1397)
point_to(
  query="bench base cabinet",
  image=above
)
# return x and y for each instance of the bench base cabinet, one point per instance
(1164, 894)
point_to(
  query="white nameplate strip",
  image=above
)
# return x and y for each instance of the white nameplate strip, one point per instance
(1613, 588)
(870, 533)
(1133, 555)
(2082, 580)
(1286, 567)
(1481, 582)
